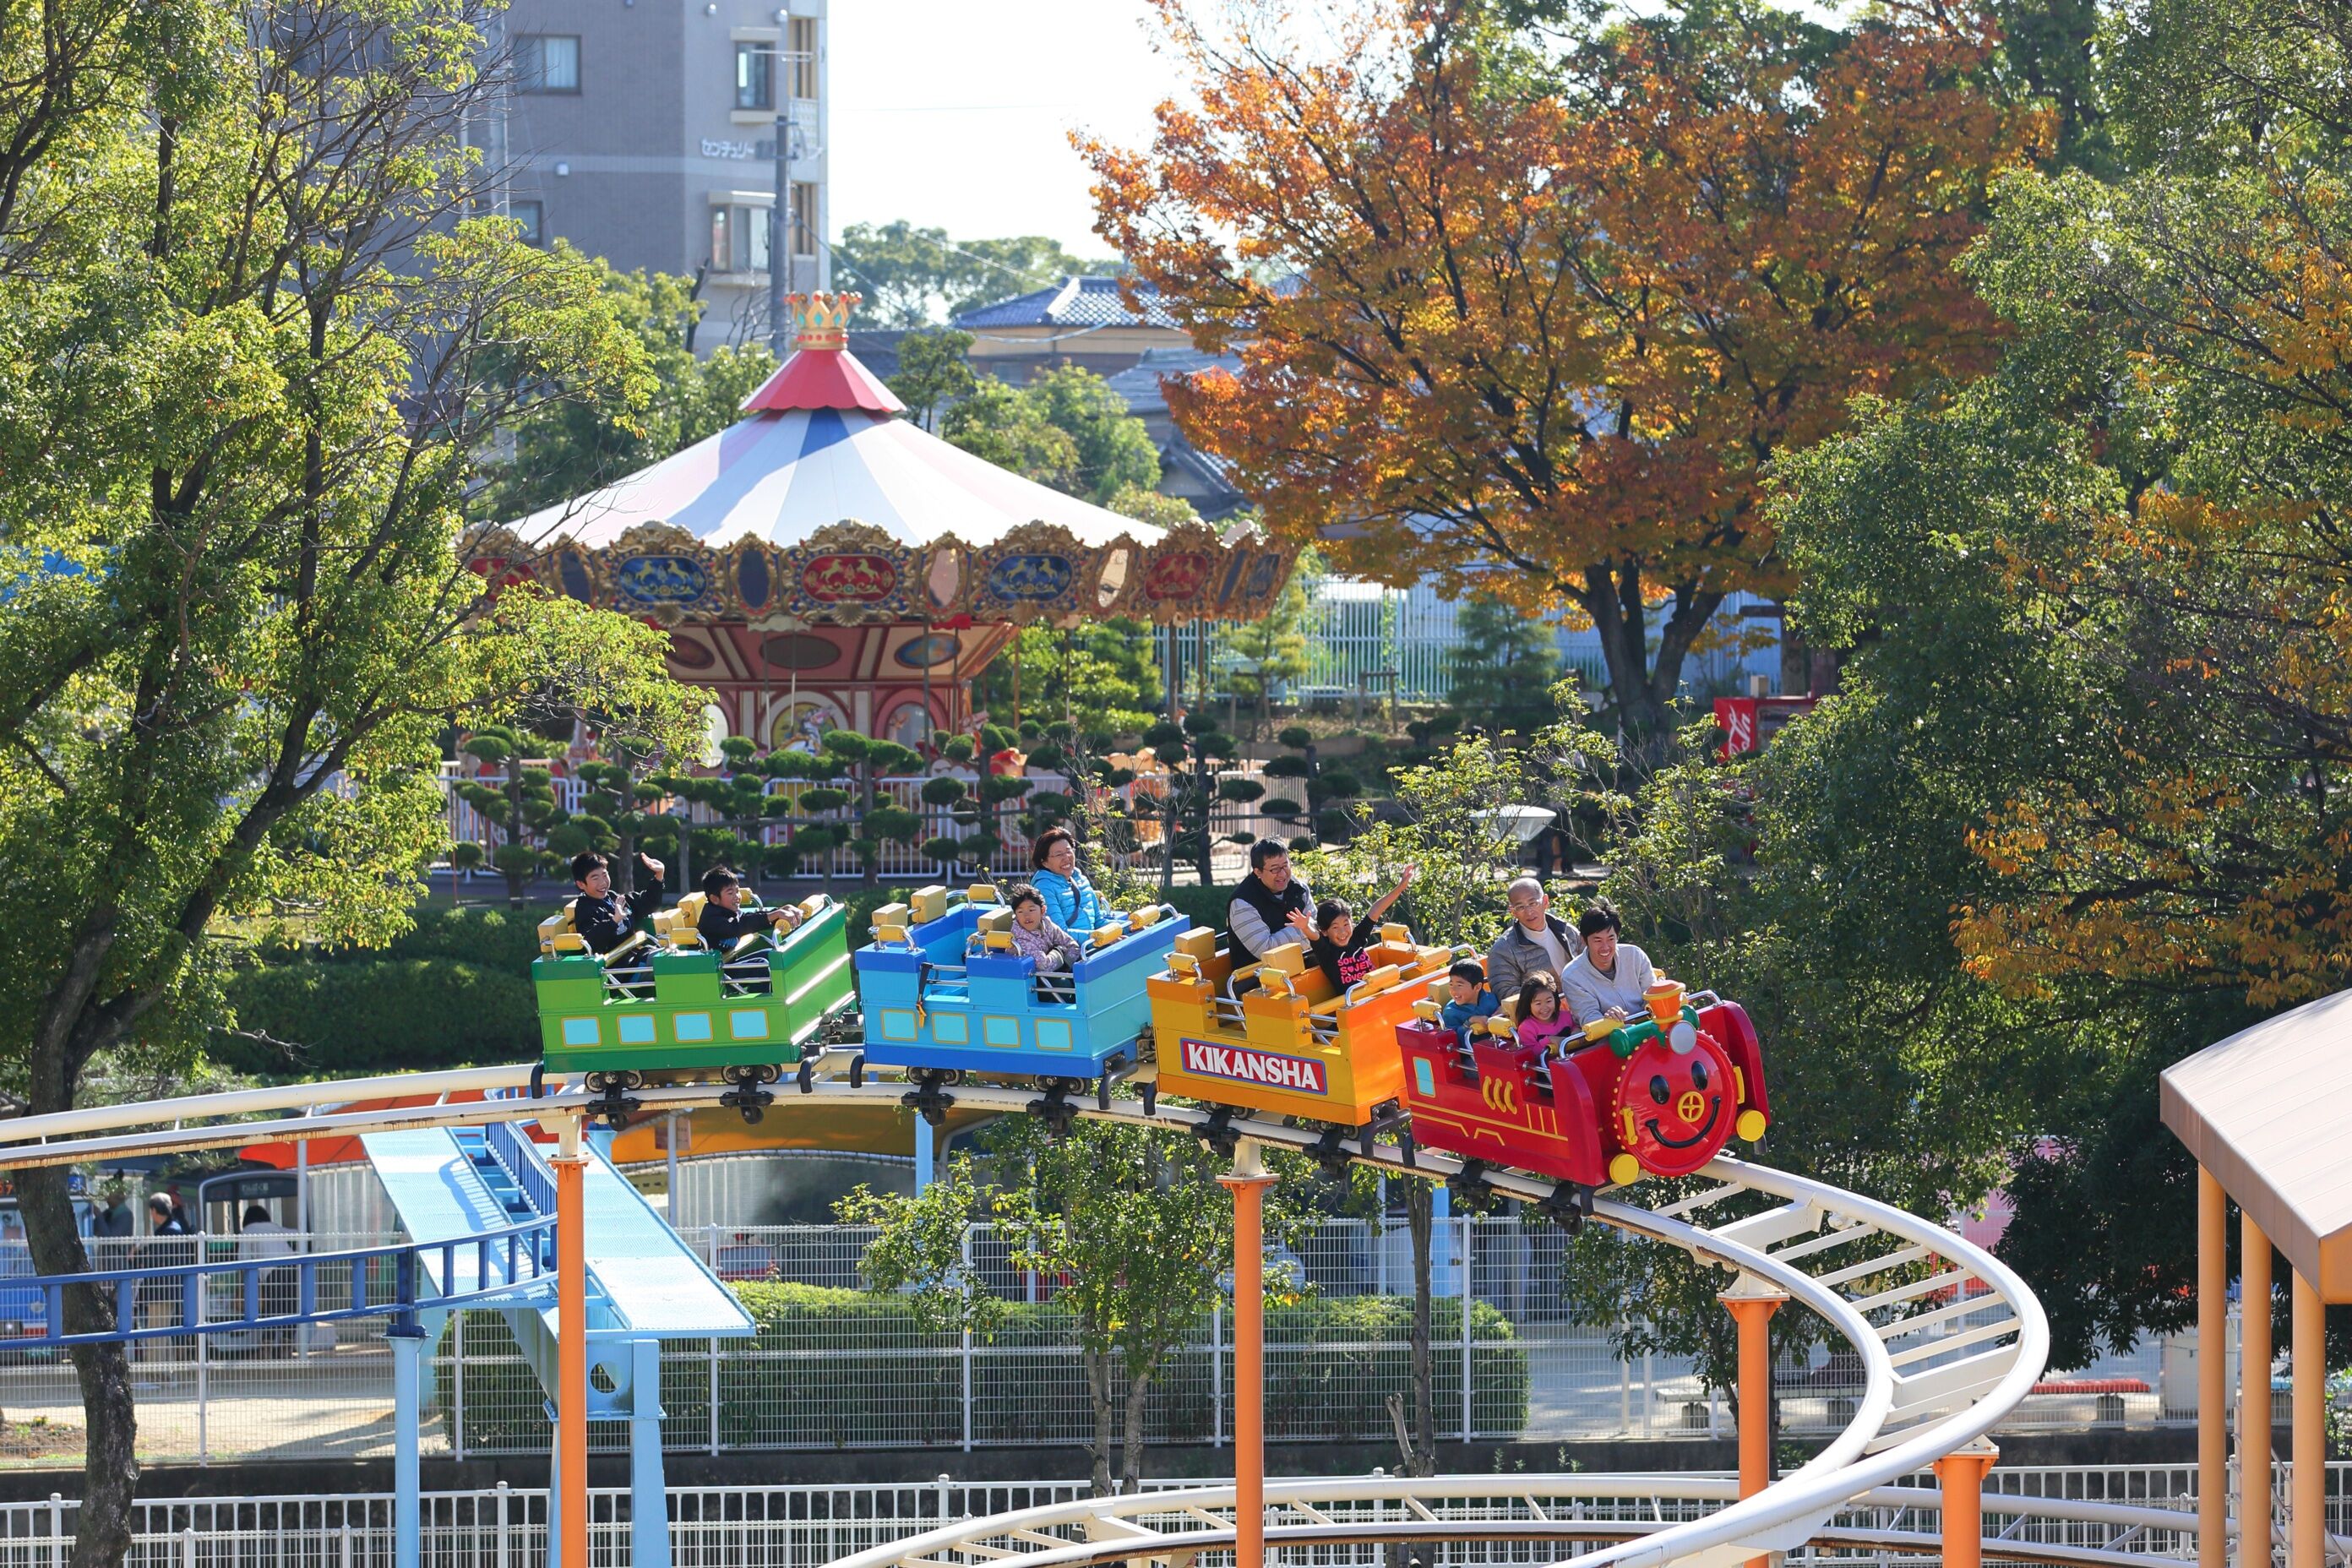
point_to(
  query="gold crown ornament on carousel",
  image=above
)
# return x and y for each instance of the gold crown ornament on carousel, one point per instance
(824, 318)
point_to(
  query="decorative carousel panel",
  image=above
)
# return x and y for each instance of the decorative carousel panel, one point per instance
(1037, 572)
(946, 573)
(574, 571)
(660, 570)
(850, 573)
(751, 568)
(1268, 567)
(1110, 581)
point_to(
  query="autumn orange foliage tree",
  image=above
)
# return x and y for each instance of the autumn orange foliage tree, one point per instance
(1542, 322)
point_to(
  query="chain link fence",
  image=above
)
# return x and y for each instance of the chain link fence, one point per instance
(806, 1526)
(835, 1366)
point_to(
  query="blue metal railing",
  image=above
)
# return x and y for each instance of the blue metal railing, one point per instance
(508, 1261)
(513, 1150)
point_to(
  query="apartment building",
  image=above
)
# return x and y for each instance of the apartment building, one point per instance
(647, 132)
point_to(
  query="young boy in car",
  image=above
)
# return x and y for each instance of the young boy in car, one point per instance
(724, 921)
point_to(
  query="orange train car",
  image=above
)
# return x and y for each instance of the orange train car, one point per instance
(1288, 1045)
(1656, 1095)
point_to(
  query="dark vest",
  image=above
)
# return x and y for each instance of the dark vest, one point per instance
(1272, 908)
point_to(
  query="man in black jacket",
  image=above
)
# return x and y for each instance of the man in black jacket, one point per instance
(602, 917)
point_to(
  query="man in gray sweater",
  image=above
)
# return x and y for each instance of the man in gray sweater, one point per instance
(1536, 939)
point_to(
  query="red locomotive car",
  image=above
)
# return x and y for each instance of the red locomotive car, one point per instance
(1658, 1096)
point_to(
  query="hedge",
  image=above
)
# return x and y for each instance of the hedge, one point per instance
(847, 1369)
(379, 1015)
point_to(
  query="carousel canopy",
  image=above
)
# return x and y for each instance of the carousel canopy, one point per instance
(822, 504)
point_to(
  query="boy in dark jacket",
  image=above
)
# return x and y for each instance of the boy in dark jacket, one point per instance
(724, 921)
(602, 917)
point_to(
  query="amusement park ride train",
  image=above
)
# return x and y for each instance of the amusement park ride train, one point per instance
(941, 994)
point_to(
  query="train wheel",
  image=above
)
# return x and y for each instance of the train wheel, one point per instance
(951, 1077)
(752, 1112)
(596, 1082)
(769, 1072)
(1147, 1044)
(631, 1080)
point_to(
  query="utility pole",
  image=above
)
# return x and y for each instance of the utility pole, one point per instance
(779, 214)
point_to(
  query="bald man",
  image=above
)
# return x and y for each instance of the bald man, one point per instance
(1536, 939)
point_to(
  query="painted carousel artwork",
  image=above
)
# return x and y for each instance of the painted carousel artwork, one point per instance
(824, 562)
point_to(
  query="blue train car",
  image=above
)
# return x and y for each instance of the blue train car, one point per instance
(944, 994)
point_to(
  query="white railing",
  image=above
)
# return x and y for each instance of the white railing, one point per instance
(896, 860)
(2116, 1510)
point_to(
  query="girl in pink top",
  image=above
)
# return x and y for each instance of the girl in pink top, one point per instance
(1543, 1017)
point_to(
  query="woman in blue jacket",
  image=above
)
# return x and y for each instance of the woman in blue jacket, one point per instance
(1071, 901)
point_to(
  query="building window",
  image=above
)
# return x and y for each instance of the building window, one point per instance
(800, 46)
(755, 76)
(738, 239)
(547, 62)
(532, 217)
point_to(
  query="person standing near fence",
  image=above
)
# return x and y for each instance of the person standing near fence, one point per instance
(260, 1239)
(167, 1246)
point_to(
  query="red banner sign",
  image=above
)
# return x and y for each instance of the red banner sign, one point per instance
(1736, 717)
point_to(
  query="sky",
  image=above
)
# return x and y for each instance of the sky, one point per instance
(955, 114)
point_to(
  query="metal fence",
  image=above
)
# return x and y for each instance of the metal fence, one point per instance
(1364, 640)
(806, 1526)
(856, 1371)
(904, 861)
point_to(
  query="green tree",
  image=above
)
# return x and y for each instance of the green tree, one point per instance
(238, 620)
(912, 277)
(588, 441)
(1114, 454)
(2130, 696)
(1503, 666)
(996, 422)
(933, 374)
(1130, 1219)
(1067, 430)
(1274, 649)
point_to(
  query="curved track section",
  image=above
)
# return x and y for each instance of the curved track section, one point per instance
(1949, 1339)
(1171, 1525)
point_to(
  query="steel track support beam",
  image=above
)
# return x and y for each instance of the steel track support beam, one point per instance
(1960, 1475)
(568, 1518)
(1248, 1181)
(1751, 1303)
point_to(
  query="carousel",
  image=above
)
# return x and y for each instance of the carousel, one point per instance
(824, 562)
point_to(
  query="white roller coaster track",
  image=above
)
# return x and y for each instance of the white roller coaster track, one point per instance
(1950, 1340)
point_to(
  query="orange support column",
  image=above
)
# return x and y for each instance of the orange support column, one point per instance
(1751, 1303)
(2212, 1371)
(2307, 1523)
(2254, 1394)
(1960, 1475)
(572, 1346)
(1249, 1182)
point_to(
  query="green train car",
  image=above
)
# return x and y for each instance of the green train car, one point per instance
(745, 1014)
